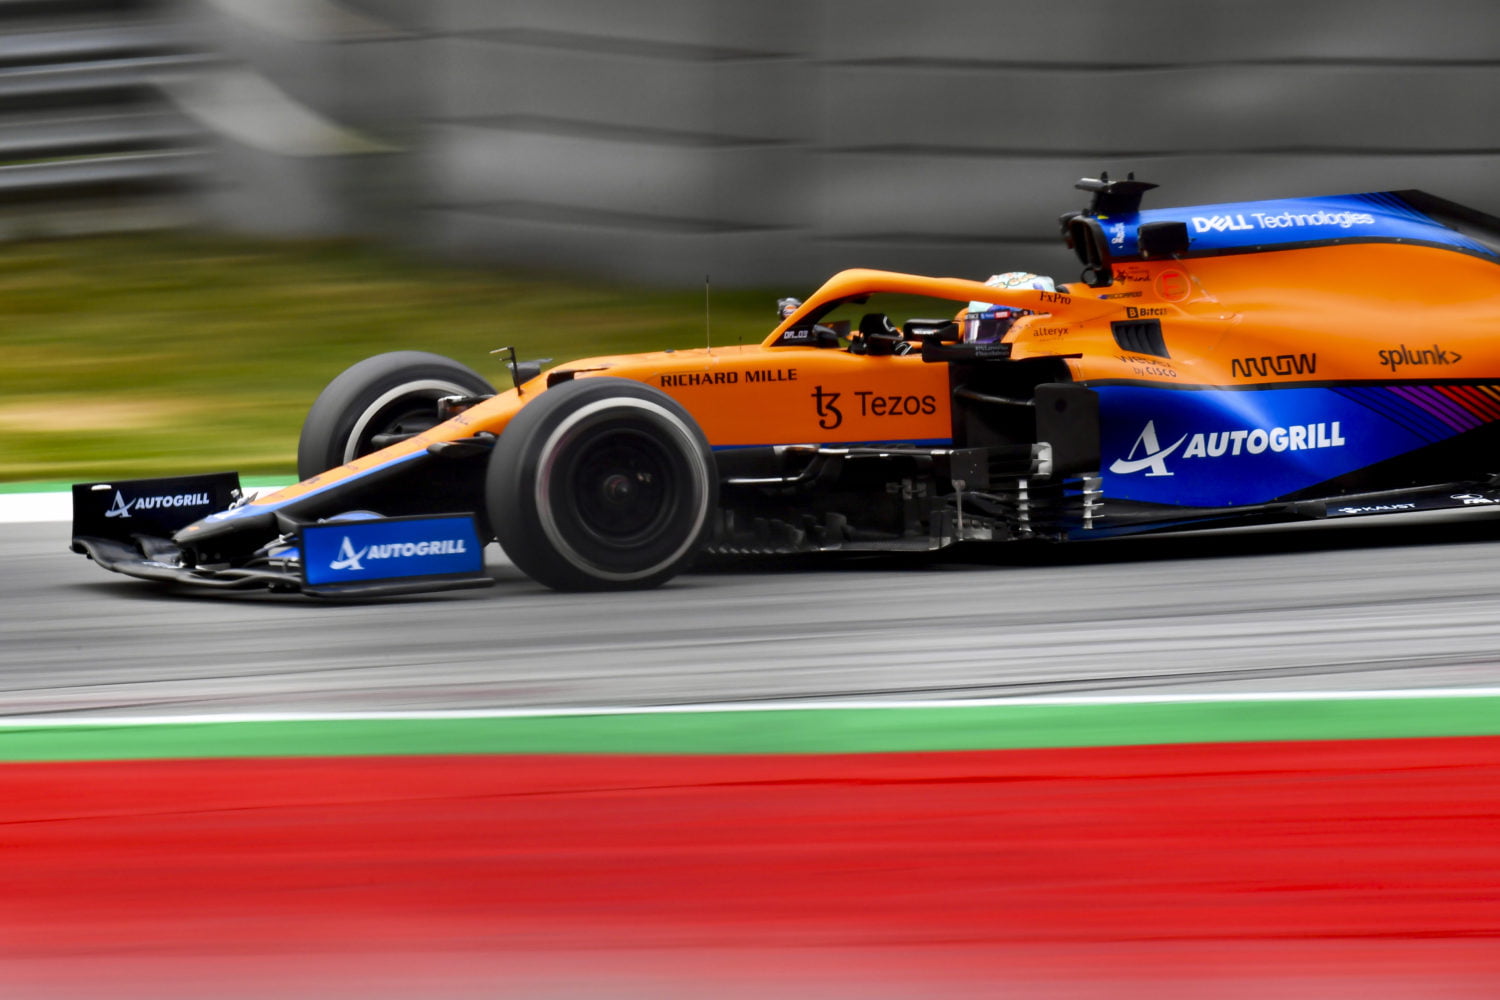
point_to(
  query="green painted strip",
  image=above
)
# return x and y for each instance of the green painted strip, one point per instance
(774, 731)
(35, 487)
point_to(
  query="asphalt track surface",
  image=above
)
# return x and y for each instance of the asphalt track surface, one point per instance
(1405, 602)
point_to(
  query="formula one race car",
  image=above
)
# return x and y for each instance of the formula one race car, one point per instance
(1227, 364)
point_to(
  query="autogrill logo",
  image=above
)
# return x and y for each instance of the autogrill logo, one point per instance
(1148, 453)
(351, 559)
(1274, 364)
(122, 507)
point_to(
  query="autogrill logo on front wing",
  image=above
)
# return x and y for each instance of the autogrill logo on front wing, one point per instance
(1148, 453)
(122, 507)
(351, 559)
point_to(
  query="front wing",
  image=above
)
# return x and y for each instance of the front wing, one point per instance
(127, 527)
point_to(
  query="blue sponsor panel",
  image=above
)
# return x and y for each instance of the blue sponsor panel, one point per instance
(1245, 224)
(1223, 449)
(340, 552)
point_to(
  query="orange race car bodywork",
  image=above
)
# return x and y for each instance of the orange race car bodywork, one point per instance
(1221, 364)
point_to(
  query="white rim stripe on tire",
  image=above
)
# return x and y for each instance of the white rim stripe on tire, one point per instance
(544, 476)
(406, 389)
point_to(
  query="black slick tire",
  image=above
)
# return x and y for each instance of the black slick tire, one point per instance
(602, 484)
(386, 394)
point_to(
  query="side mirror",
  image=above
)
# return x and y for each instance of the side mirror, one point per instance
(525, 371)
(939, 330)
(1162, 239)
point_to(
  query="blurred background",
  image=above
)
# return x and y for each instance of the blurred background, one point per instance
(255, 194)
(764, 142)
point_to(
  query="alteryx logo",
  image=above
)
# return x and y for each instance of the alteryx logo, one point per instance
(120, 507)
(388, 548)
(1148, 454)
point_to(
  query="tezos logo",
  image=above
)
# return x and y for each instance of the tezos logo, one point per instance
(1148, 452)
(829, 415)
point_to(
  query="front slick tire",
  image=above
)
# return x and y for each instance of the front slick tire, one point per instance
(389, 394)
(602, 484)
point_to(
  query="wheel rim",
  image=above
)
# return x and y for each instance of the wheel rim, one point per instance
(622, 488)
(406, 409)
(612, 533)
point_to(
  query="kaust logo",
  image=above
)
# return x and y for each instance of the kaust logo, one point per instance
(349, 559)
(122, 507)
(1148, 452)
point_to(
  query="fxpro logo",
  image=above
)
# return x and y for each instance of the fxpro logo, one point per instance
(122, 507)
(1148, 453)
(349, 559)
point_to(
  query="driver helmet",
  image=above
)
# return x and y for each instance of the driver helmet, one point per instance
(986, 322)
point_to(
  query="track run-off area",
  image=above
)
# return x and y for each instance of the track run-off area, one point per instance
(1243, 764)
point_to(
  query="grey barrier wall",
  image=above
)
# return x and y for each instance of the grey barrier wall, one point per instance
(777, 141)
(87, 141)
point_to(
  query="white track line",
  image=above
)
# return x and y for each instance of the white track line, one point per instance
(798, 706)
(31, 508)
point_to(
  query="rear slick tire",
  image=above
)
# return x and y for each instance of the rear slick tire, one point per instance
(602, 484)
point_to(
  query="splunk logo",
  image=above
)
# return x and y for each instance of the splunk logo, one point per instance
(1433, 355)
(1150, 456)
(121, 507)
(350, 559)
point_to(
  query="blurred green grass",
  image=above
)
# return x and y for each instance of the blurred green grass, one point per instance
(159, 355)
